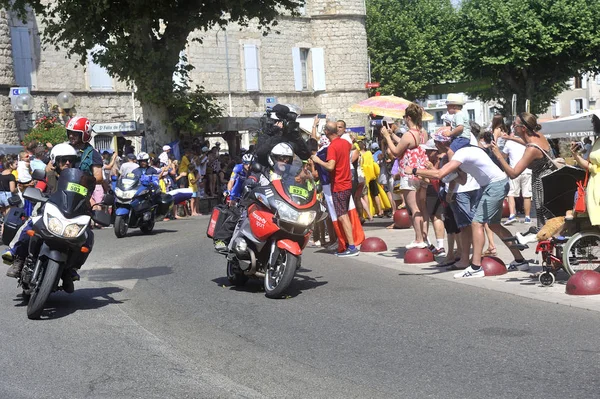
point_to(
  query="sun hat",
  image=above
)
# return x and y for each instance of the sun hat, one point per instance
(440, 138)
(455, 99)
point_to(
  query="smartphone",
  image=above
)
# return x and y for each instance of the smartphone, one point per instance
(385, 124)
(321, 116)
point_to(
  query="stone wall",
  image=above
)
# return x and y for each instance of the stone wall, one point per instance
(8, 126)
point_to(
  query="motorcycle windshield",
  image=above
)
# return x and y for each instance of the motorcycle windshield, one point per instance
(128, 181)
(296, 181)
(73, 191)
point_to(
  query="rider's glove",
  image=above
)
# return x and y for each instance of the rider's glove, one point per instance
(225, 193)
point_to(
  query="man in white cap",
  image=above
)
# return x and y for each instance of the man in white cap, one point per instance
(164, 156)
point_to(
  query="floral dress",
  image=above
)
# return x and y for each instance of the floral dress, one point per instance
(413, 158)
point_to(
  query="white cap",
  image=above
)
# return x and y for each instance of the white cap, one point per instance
(166, 147)
(204, 149)
(430, 145)
(374, 146)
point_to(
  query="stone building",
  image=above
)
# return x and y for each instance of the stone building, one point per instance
(319, 62)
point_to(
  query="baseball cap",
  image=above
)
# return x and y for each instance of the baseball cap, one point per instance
(374, 146)
(166, 147)
(430, 145)
(130, 156)
(204, 149)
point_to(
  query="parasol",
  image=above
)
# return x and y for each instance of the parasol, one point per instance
(391, 106)
(560, 187)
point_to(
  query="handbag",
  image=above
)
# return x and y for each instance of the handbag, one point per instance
(581, 186)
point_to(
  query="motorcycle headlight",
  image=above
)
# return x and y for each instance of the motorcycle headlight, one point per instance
(289, 214)
(125, 194)
(56, 222)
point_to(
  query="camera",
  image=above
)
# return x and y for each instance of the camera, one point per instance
(378, 123)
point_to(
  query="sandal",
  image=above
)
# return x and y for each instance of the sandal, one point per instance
(391, 226)
(490, 252)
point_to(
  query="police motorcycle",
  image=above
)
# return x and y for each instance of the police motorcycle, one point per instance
(276, 223)
(138, 202)
(60, 238)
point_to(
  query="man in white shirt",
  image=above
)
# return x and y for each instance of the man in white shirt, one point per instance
(494, 185)
(129, 166)
(519, 186)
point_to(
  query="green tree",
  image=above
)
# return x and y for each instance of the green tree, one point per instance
(411, 45)
(529, 48)
(142, 39)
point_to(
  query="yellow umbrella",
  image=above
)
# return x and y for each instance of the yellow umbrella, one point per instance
(391, 106)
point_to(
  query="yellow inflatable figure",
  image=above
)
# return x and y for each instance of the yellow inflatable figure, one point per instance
(371, 171)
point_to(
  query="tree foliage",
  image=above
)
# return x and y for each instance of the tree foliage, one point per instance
(529, 48)
(142, 39)
(412, 45)
(190, 111)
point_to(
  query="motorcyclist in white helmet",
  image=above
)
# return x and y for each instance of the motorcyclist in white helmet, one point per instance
(144, 167)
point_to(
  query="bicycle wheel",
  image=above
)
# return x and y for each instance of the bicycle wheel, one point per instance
(582, 252)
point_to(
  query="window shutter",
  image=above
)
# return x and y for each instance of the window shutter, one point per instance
(573, 107)
(22, 60)
(558, 112)
(251, 67)
(571, 83)
(598, 79)
(99, 79)
(585, 105)
(297, 68)
(318, 64)
(584, 79)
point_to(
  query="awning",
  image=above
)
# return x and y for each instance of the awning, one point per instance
(7, 149)
(575, 126)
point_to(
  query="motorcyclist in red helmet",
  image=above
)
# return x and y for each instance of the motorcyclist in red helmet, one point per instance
(79, 132)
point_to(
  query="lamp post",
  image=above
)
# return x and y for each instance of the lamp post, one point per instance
(24, 105)
(66, 102)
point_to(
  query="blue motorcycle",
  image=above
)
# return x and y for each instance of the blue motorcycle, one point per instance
(138, 203)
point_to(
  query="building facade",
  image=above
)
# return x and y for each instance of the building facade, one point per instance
(318, 62)
(583, 95)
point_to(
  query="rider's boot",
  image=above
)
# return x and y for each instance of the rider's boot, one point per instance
(14, 270)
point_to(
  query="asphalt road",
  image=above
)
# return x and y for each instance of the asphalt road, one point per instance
(154, 317)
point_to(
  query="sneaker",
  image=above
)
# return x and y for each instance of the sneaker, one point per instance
(511, 219)
(521, 265)
(439, 252)
(333, 246)
(14, 270)
(220, 245)
(7, 257)
(470, 273)
(348, 252)
(416, 245)
(527, 220)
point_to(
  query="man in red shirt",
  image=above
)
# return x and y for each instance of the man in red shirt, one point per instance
(338, 165)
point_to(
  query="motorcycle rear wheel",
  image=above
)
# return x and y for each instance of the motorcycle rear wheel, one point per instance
(120, 226)
(46, 282)
(235, 275)
(278, 279)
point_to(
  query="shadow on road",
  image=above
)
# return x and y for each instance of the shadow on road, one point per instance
(125, 273)
(300, 284)
(61, 304)
(139, 233)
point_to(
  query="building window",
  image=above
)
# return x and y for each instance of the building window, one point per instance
(99, 78)
(22, 56)
(102, 142)
(471, 114)
(302, 76)
(578, 105)
(438, 117)
(577, 82)
(251, 67)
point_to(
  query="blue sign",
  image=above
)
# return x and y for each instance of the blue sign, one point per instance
(17, 91)
(271, 100)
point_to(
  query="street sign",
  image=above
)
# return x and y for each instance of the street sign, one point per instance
(14, 93)
(115, 127)
(371, 85)
(270, 102)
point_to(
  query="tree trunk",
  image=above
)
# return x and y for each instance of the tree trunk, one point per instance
(158, 133)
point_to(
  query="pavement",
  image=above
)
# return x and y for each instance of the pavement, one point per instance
(514, 282)
(155, 317)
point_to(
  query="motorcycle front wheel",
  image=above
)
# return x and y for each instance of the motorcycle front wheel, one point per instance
(235, 275)
(44, 286)
(120, 226)
(279, 277)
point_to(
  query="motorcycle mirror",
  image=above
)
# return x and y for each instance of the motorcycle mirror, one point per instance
(108, 199)
(257, 168)
(102, 218)
(38, 174)
(34, 195)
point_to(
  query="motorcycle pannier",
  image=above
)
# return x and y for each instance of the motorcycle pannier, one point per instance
(165, 204)
(218, 216)
(12, 222)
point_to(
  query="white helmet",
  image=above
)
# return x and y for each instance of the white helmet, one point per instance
(247, 158)
(282, 152)
(142, 156)
(62, 150)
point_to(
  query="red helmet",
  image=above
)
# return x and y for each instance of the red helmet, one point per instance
(81, 125)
